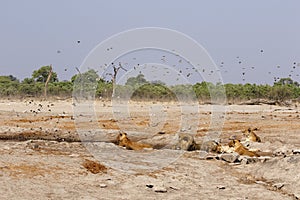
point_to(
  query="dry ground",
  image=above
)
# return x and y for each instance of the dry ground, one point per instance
(42, 156)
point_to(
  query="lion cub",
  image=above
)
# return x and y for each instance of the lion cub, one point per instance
(251, 136)
(124, 141)
(240, 149)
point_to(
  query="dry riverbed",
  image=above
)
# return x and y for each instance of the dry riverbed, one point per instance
(42, 156)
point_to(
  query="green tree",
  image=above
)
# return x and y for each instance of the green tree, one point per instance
(281, 92)
(9, 85)
(202, 90)
(85, 84)
(28, 81)
(8, 79)
(41, 75)
(137, 81)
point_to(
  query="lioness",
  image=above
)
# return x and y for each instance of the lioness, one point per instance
(240, 149)
(251, 136)
(124, 141)
(186, 142)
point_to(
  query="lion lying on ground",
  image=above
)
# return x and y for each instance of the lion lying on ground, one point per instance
(186, 142)
(240, 149)
(124, 141)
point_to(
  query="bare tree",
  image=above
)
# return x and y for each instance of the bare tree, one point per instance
(47, 81)
(114, 76)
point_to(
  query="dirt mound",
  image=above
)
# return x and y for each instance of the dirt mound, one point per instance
(94, 167)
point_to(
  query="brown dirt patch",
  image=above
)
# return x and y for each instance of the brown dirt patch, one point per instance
(27, 170)
(94, 167)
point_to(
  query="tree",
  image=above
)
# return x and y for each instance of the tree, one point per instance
(88, 76)
(287, 81)
(85, 84)
(137, 81)
(202, 90)
(8, 85)
(42, 74)
(281, 92)
(28, 81)
(8, 79)
(114, 76)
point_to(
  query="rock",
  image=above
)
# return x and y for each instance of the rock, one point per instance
(297, 195)
(278, 185)
(247, 160)
(103, 186)
(174, 188)
(207, 156)
(229, 157)
(261, 182)
(221, 187)
(6, 148)
(74, 155)
(149, 186)
(160, 189)
(293, 159)
(279, 153)
(296, 151)
(264, 158)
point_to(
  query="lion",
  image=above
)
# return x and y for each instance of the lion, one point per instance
(240, 149)
(124, 141)
(251, 136)
(186, 142)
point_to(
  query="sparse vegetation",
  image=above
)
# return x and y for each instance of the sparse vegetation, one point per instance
(138, 88)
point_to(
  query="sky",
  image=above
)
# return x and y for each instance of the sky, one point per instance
(250, 41)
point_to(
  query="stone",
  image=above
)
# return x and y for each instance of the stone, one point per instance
(248, 160)
(244, 161)
(103, 185)
(264, 158)
(160, 189)
(297, 195)
(221, 187)
(261, 182)
(207, 156)
(174, 188)
(6, 148)
(74, 155)
(229, 157)
(149, 186)
(278, 185)
(296, 151)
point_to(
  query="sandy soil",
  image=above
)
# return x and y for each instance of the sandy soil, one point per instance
(42, 156)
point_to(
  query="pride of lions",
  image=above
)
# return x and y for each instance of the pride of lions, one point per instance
(187, 142)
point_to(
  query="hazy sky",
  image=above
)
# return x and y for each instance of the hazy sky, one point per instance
(232, 31)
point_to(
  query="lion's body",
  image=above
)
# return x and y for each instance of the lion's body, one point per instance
(186, 142)
(124, 141)
(240, 149)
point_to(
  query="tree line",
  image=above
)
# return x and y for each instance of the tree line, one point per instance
(138, 88)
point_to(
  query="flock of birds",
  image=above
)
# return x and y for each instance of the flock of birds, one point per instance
(184, 67)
